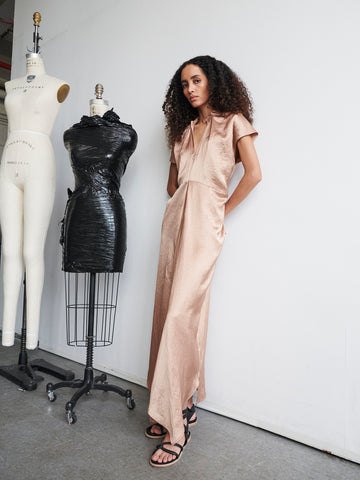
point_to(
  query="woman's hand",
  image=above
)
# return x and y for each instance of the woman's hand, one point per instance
(252, 173)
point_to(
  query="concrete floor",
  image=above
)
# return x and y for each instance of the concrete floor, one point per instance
(108, 442)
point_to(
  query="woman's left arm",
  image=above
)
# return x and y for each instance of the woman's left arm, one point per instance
(252, 173)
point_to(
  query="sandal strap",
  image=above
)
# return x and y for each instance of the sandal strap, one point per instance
(162, 430)
(191, 410)
(171, 452)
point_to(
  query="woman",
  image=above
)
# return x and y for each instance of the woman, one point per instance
(208, 112)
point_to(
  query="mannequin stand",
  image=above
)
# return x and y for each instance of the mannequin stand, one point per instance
(89, 382)
(22, 374)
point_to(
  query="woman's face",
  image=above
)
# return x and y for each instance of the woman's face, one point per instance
(195, 86)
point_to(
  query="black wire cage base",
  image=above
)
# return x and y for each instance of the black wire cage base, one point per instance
(91, 300)
(77, 294)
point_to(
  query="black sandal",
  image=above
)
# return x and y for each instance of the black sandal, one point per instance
(150, 434)
(164, 449)
(189, 413)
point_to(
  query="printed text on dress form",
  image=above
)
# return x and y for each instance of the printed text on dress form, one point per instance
(26, 86)
(24, 142)
(19, 162)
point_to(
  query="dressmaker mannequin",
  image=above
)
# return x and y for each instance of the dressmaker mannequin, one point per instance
(94, 225)
(94, 240)
(27, 188)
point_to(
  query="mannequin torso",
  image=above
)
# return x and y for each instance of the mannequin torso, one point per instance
(32, 102)
(94, 233)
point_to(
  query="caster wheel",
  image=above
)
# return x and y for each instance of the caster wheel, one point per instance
(130, 403)
(71, 417)
(51, 396)
(49, 387)
(102, 379)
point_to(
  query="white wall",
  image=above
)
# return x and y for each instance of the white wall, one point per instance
(284, 337)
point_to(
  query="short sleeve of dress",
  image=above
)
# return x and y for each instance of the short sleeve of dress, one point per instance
(241, 128)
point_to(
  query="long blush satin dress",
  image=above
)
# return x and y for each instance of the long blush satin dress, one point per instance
(191, 240)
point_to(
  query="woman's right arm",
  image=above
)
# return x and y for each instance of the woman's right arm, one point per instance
(172, 185)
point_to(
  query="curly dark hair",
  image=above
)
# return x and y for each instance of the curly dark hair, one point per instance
(227, 94)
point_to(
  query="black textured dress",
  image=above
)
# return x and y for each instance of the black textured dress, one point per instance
(94, 226)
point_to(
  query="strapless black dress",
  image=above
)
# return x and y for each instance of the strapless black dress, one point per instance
(94, 225)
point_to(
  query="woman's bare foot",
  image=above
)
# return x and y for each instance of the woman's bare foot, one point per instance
(163, 457)
(156, 429)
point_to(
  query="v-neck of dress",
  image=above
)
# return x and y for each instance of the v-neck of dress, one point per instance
(196, 148)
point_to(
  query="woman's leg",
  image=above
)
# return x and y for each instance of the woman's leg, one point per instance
(11, 221)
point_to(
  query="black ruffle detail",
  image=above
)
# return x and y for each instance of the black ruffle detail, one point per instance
(109, 119)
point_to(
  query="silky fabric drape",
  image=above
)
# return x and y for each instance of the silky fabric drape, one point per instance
(191, 240)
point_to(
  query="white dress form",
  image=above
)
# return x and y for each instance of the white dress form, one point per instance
(27, 189)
